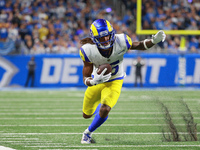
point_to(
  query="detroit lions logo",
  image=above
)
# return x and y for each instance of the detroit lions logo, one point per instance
(10, 71)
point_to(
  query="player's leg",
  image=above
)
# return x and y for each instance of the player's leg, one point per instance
(141, 80)
(99, 118)
(27, 79)
(91, 106)
(91, 101)
(135, 80)
(97, 109)
(109, 96)
(33, 79)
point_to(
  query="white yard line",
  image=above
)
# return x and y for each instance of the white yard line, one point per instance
(16, 138)
(79, 98)
(122, 146)
(80, 113)
(78, 118)
(124, 133)
(42, 109)
(61, 110)
(14, 141)
(102, 146)
(5, 148)
(83, 125)
(41, 100)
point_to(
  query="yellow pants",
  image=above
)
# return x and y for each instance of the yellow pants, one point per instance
(104, 93)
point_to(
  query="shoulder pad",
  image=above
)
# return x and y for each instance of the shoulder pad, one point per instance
(83, 55)
(128, 41)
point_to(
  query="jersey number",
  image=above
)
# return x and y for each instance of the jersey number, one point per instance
(115, 67)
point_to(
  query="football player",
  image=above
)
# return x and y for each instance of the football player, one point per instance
(104, 46)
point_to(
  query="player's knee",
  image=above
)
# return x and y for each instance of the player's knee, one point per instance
(86, 116)
(104, 110)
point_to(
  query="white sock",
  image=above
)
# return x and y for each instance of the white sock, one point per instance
(87, 131)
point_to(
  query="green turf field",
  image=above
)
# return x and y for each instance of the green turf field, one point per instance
(32, 120)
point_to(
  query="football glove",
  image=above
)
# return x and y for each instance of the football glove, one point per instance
(100, 78)
(159, 36)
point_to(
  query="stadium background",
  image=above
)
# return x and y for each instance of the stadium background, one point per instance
(143, 118)
(51, 30)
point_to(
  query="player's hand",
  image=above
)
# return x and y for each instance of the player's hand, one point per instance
(159, 36)
(100, 78)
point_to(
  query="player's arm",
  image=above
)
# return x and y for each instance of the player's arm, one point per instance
(140, 45)
(87, 67)
(98, 78)
(148, 43)
(87, 71)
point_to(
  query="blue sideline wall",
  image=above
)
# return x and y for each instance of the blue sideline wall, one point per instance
(160, 70)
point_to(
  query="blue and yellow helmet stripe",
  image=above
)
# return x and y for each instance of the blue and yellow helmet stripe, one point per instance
(109, 26)
(94, 30)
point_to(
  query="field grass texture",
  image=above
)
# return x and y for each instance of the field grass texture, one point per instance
(32, 120)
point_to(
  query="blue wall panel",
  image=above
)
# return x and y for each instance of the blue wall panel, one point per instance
(160, 70)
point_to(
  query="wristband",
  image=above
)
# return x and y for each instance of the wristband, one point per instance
(86, 81)
(145, 46)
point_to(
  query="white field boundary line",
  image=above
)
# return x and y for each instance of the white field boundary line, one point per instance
(56, 110)
(34, 107)
(14, 138)
(28, 142)
(83, 125)
(45, 90)
(3, 108)
(117, 133)
(82, 89)
(105, 146)
(44, 100)
(32, 142)
(66, 110)
(48, 144)
(78, 118)
(6, 148)
(51, 144)
(113, 113)
(78, 101)
(63, 145)
(42, 109)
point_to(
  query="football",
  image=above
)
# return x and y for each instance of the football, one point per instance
(102, 67)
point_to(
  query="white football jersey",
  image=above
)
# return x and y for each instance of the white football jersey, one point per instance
(90, 53)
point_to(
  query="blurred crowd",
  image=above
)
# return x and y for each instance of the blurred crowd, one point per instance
(170, 15)
(56, 26)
